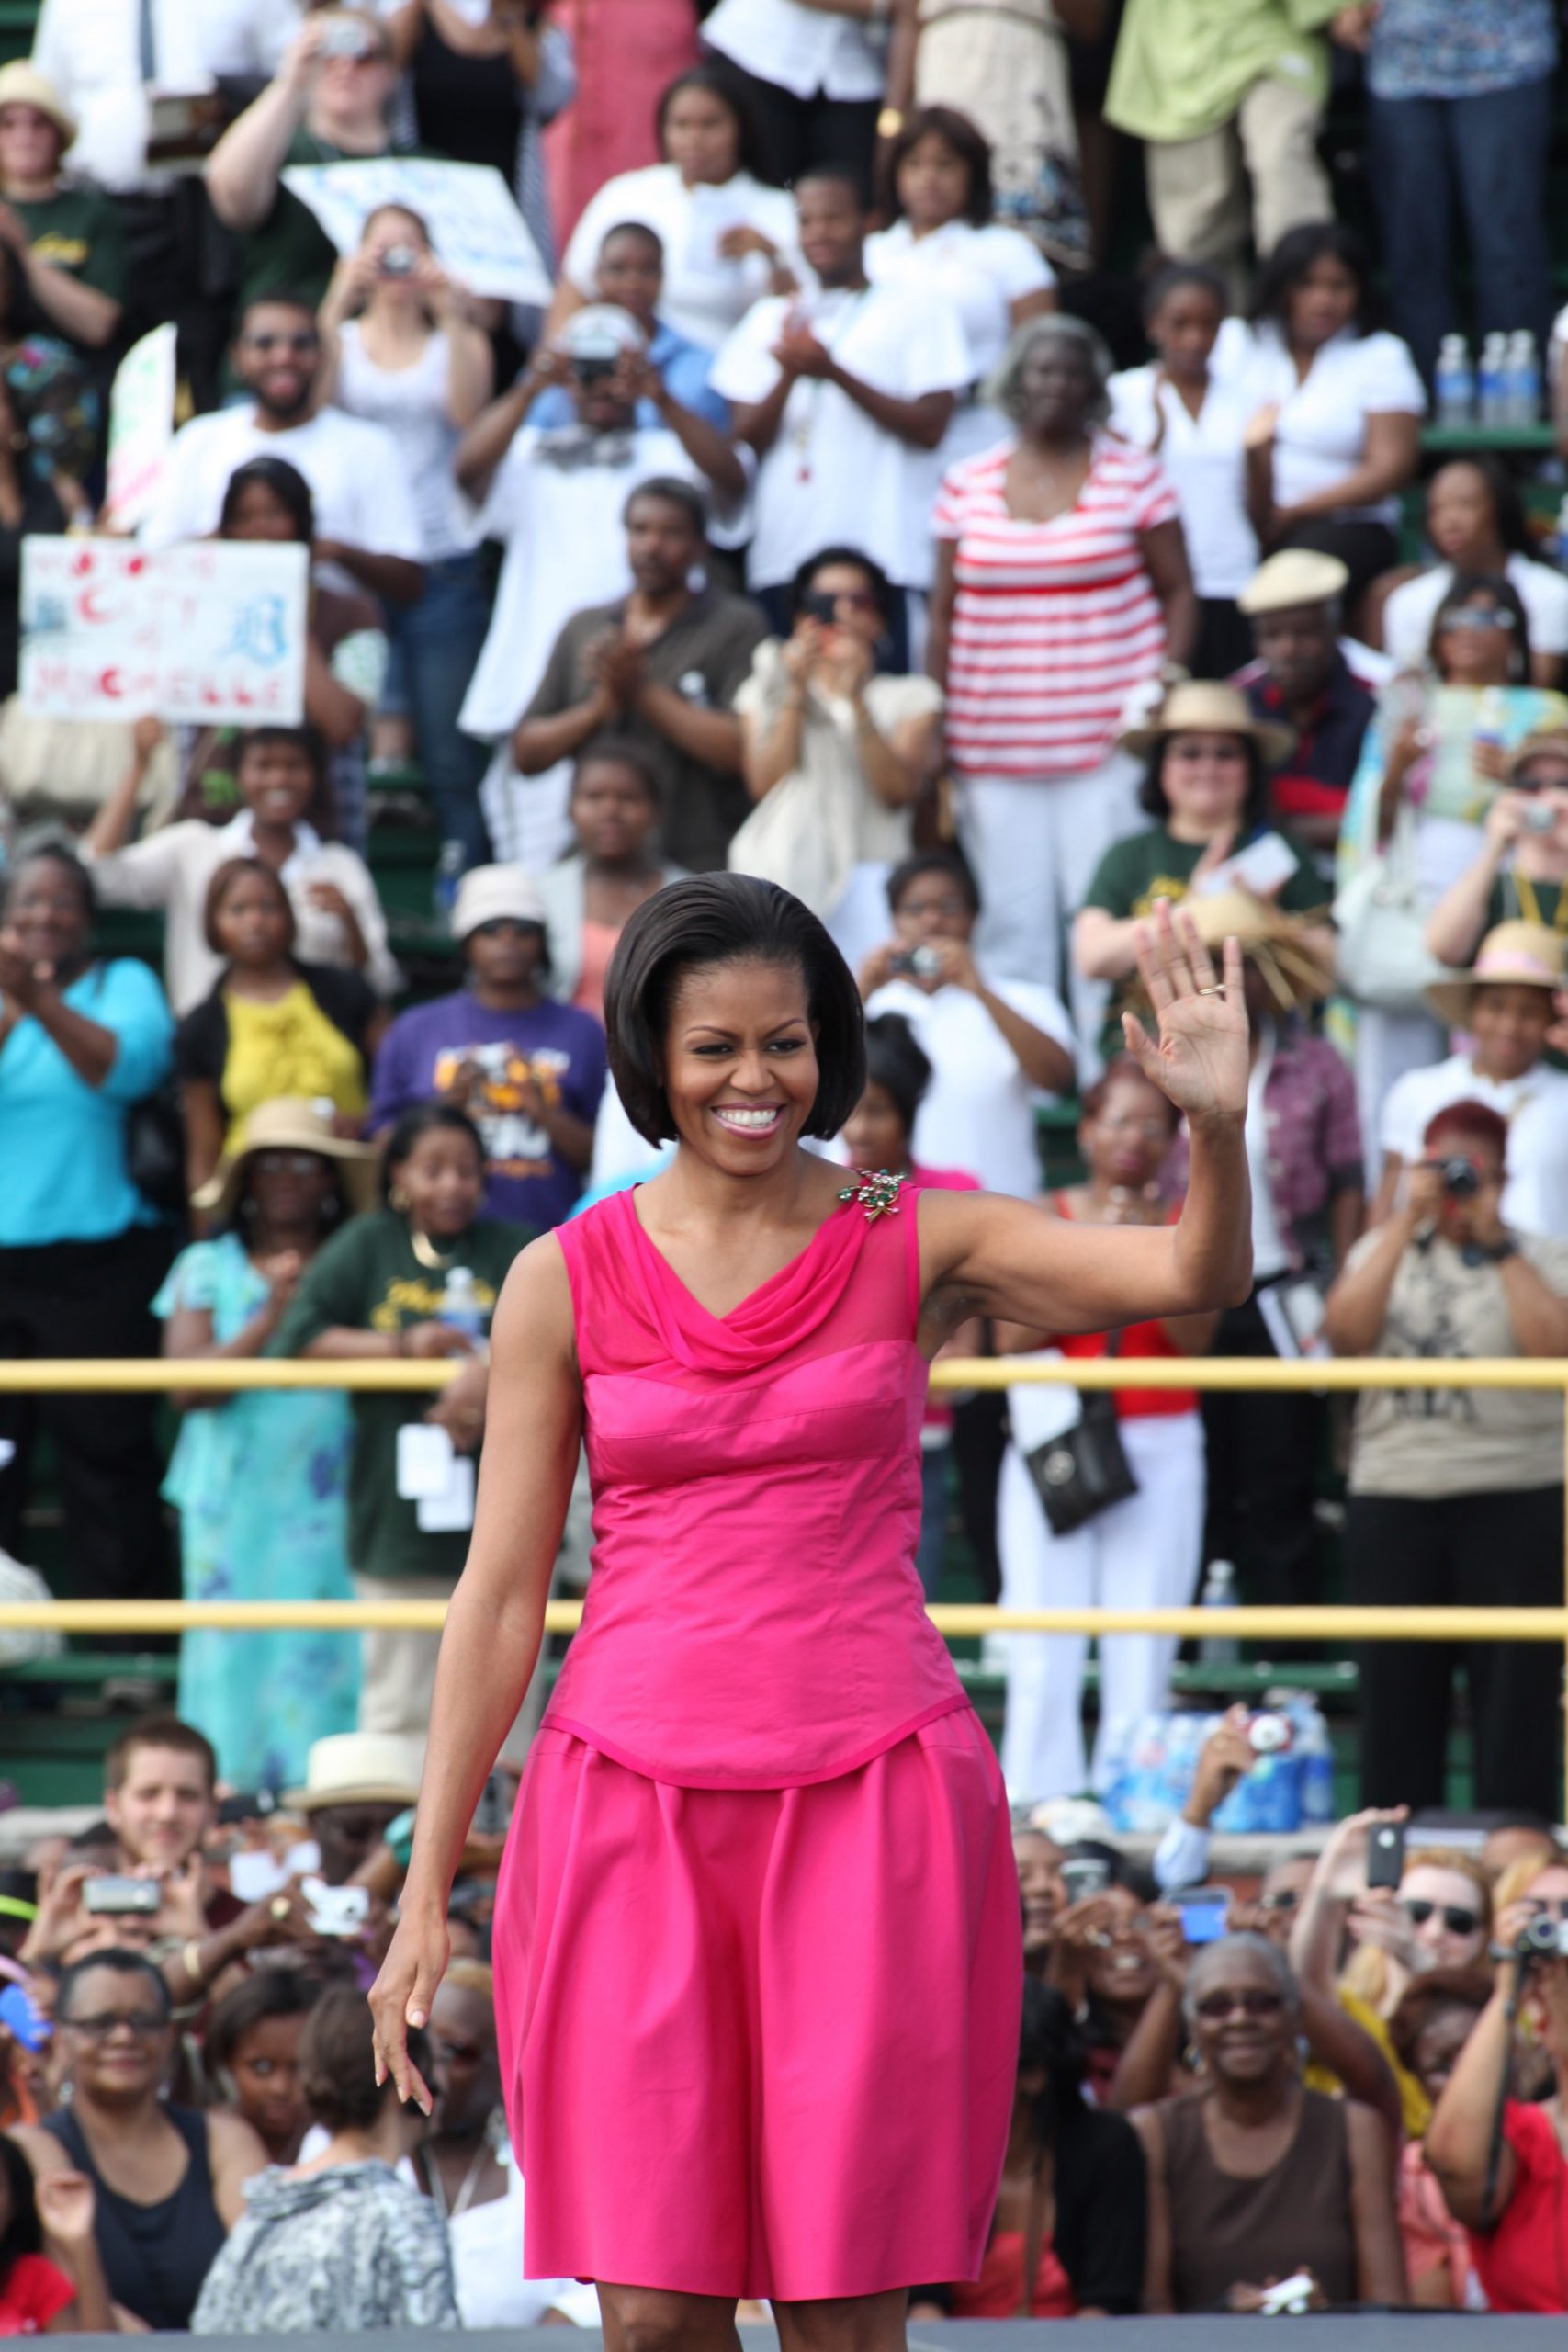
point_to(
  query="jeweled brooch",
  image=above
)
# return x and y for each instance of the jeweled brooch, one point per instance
(877, 1196)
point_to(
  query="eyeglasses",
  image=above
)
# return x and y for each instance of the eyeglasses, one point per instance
(917, 907)
(305, 339)
(1256, 2001)
(1284, 1898)
(288, 1163)
(1465, 617)
(143, 2023)
(1455, 1919)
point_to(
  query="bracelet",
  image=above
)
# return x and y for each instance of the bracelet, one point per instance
(190, 1960)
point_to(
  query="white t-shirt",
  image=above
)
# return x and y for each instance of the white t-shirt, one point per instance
(410, 404)
(1408, 614)
(832, 474)
(1322, 430)
(566, 547)
(1535, 1197)
(703, 294)
(1205, 464)
(1270, 1253)
(978, 1111)
(355, 471)
(980, 274)
(804, 50)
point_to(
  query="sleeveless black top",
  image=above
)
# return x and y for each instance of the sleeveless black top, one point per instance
(154, 2257)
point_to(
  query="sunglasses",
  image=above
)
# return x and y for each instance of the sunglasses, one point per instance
(1285, 1898)
(1256, 2001)
(1471, 617)
(140, 2022)
(1455, 1918)
(306, 339)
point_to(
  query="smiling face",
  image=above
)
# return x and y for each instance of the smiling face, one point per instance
(831, 229)
(277, 779)
(1508, 1023)
(1121, 1972)
(31, 147)
(46, 909)
(116, 2039)
(277, 357)
(443, 1178)
(738, 1064)
(631, 273)
(1242, 2026)
(1206, 775)
(1183, 330)
(1474, 643)
(1321, 303)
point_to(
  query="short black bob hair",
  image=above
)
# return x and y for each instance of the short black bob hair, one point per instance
(895, 1061)
(1154, 801)
(968, 142)
(726, 918)
(946, 861)
(1295, 254)
(875, 578)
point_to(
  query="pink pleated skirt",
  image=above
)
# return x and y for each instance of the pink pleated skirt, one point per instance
(761, 2041)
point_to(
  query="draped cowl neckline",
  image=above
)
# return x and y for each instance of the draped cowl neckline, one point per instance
(769, 1321)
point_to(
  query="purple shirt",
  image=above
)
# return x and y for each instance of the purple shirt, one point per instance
(1314, 1136)
(560, 1047)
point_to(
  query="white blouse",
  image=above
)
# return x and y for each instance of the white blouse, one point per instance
(703, 294)
(1205, 464)
(1321, 435)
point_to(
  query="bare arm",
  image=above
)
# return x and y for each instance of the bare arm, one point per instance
(236, 2154)
(1337, 2042)
(1456, 923)
(488, 439)
(901, 763)
(1357, 1308)
(769, 741)
(939, 616)
(110, 829)
(205, 1128)
(1393, 446)
(1104, 945)
(493, 1626)
(1459, 2138)
(81, 313)
(757, 422)
(709, 450)
(1165, 553)
(244, 171)
(187, 1337)
(1379, 2255)
(1539, 1317)
(921, 422)
(470, 368)
(87, 1045)
(538, 743)
(333, 708)
(711, 736)
(394, 578)
(1347, 1213)
(1157, 2268)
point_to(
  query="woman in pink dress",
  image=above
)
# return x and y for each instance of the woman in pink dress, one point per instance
(756, 1935)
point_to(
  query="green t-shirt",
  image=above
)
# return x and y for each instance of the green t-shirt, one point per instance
(78, 229)
(291, 253)
(368, 1279)
(1532, 903)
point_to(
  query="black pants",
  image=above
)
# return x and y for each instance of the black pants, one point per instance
(1262, 1465)
(797, 134)
(89, 1298)
(1466, 1552)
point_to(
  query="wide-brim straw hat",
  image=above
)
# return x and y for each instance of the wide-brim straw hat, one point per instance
(359, 1768)
(1546, 742)
(291, 1125)
(21, 84)
(1516, 955)
(1267, 937)
(1214, 709)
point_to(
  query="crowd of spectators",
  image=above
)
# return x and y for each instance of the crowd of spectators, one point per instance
(881, 506)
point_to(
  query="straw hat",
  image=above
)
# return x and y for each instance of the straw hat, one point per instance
(359, 1768)
(22, 84)
(290, 1124)
(1199, 704)
(496, 894)
(1547, 742)
(1295, 576)
(1272, 940)
(1515, 955)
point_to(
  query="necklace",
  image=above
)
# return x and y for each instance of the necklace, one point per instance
(426, 1250)
(830, 333)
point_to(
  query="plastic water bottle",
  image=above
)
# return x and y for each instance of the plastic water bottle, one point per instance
(449, 874)
(1219, 1592)
(460, 1309)
(1455, 382)
(1523, 379)
(1491, 382)
(1314, 1746)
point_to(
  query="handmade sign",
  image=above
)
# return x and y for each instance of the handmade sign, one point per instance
(478, 234)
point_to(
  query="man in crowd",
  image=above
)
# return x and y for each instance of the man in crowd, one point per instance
(565, 491)
(363, 517)
(842, 392)
(661, 666)
(1319, 684)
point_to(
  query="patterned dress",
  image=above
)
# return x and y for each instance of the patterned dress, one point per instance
(259, 1481)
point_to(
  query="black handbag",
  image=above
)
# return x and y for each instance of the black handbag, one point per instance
(1084, 1471)
(155, 1149)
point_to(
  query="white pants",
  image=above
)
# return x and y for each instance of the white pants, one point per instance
(1145, 1552)
(398, 1676)
(1387, 1045)
(1033, 849)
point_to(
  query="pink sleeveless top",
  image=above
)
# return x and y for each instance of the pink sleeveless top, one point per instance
(754, 1619)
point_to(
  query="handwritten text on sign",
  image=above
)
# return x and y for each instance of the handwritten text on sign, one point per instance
(212, 632)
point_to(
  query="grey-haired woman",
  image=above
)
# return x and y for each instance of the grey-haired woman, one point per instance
(1062, 585)
(1257, 2181)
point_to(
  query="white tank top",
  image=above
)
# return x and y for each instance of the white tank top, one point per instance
(410, 403)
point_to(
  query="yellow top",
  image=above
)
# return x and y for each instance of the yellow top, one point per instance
(289, 1047)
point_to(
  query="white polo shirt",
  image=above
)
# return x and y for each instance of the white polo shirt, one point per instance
(357, 477)
(806, 51)
(978, 1111)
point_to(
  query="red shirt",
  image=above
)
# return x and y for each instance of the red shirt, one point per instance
(1138, 1340)
(1523, 2263)
(998, 2291)
(32, 2293)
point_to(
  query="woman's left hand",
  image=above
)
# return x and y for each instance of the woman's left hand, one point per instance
(1201, 1060)
(460, 1407)
(67, 2206)
(20, 979)
(328, 899)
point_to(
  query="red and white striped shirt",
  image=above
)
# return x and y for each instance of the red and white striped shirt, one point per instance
(1054, 623)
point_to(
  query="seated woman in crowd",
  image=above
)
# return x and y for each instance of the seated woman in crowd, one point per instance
(339, 2242)
(837, 754)
(83, 1040)
(1523, 864)
(1434, 2021)
(281, 776)
(527, 1069)
(1206, 786)
(259, 1477)
(1067, 2239)
(249, 2051)
(272, 1026)
(1456, 1495)
(71, 248)
(879, 1133)
(167, 2182)
(591, 894)
(1475, 521)
(944, 241)
(1142, 1552)
(1257, 2180)
(726, 236)
(1504, 1009)
(996, 1047)
(1432, 765)
(400, 348)
(420, 1277)
(1515, 2217)
(1062, 585)
(51, 2279)
(1337, 405)
(1187, 412)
